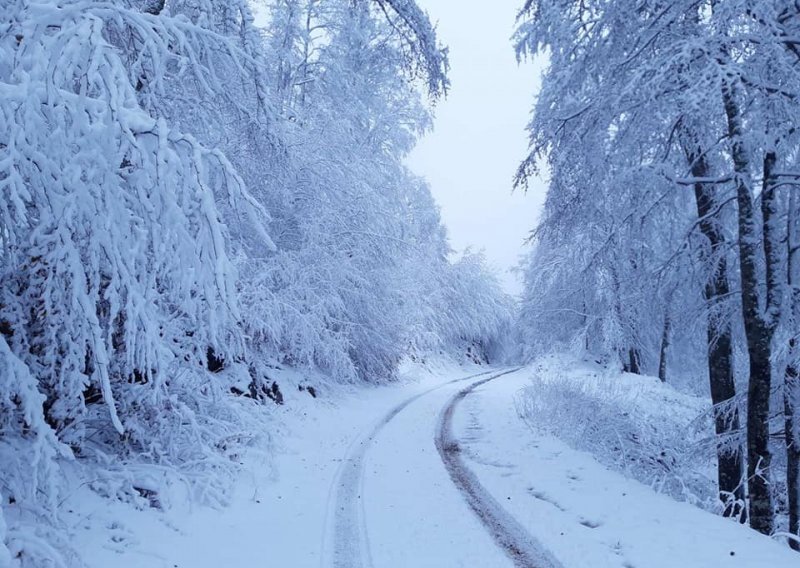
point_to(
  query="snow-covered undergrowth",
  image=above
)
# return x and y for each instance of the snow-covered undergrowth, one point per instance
(111, 506)
(191, 461)
(634, 424)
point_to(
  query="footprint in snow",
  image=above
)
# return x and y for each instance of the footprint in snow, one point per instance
(541, 496)
(120, 537)
(589, 523)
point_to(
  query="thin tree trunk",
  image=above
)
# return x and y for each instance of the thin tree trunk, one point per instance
(756, 327)
(585, 323)
(662, 357)
(730, 466)
(631, 360)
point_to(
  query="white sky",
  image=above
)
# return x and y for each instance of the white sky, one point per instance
(479, 139)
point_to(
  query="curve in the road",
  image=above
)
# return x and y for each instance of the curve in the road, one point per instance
(349, 533)
(524, 550)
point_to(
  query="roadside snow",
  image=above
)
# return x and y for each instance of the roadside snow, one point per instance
(278, 514)
(633, 424)
(404, 508)
(585, 514)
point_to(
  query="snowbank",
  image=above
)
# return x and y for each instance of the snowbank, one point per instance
(633, 424)
(584, 513)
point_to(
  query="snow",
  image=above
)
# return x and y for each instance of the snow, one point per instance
(414, 514)
(279, 510)
(581, 510)
(634, 424)
(407, 511)
(180, 191)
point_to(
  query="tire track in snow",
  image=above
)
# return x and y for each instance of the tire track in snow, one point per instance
(346, 511)
(523, 549)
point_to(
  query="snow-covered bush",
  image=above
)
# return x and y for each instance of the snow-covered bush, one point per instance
(634, 424)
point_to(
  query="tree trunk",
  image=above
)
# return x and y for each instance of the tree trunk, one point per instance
(757, 330)
(629, 355)
(666, 332)
(791, 387)
(730, 466)
(662, 358)
(791, 394)
(634, 364)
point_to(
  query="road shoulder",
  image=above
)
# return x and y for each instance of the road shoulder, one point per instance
(580, 510)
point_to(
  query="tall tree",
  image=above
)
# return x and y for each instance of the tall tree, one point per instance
(640, 77)
(719, 340)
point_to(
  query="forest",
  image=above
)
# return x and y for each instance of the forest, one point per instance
(200, 197)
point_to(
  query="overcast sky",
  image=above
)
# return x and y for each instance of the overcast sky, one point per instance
(479, 138)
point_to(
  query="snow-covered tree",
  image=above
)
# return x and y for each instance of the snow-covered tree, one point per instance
(702, 96)
(115, 274)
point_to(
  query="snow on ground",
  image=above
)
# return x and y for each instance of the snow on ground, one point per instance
(279, 511)
(633, 424)
(585, 514)
(357, 481)
(414, 515)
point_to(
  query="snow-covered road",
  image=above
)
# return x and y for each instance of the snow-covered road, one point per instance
(393, 504)
(523, 549)
(350, 547)
(452, 477)
(360, 483)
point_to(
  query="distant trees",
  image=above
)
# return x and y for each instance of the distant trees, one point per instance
(641, 103)
(182, 191)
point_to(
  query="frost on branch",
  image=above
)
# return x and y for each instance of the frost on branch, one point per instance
(424, 53)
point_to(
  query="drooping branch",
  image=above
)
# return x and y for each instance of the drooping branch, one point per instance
(427, 56)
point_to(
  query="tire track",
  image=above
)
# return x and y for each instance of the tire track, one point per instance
(523, 549)
(350, 547)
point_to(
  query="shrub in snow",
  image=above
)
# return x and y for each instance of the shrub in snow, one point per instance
(633, 424)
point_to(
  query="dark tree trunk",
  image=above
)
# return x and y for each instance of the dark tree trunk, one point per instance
(759, 458)
(634, 364)
(757, 329)
(662, 355)
(730, 462)
(730, 466)
(791, 387)
(791, 393)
